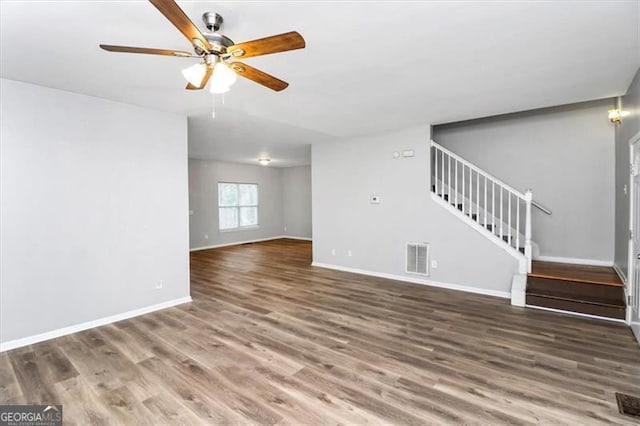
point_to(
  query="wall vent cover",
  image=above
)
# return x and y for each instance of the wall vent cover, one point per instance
(417, 261)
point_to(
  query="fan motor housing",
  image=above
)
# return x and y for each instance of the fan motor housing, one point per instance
(218, 42)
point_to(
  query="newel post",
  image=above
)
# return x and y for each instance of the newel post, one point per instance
(528, 198)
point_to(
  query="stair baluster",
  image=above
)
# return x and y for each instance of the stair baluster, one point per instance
(462, 189)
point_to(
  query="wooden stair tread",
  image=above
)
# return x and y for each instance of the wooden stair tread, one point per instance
(576, 273)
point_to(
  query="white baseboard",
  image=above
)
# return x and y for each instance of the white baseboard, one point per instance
(236, 243)
(296, 238)
(486, 292)
(575, 260)
(621, 274)
(25, 341)
(576, 314)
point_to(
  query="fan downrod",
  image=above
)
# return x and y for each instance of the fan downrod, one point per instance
(212, 20)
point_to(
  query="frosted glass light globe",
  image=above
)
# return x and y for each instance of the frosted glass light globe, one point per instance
(223, 78)
(195, 73)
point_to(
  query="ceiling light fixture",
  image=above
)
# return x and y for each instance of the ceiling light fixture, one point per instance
(264, 161)
(195, 73)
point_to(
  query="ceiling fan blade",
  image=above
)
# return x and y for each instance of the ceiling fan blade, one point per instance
(258, 76)
(181, 21)
(264, 46)
(129, 49)
(204, 82)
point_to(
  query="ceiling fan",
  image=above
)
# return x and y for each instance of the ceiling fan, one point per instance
(218, 52)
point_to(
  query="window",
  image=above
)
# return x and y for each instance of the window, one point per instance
(237, 205)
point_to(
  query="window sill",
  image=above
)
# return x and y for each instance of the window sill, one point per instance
(243, 228)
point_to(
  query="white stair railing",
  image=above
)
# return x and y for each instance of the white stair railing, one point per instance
(499, 209)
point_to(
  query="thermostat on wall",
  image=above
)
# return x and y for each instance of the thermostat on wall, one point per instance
(408, 153)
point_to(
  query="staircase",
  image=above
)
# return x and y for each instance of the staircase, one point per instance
(498, 211)
(591, 290)
(503, 215)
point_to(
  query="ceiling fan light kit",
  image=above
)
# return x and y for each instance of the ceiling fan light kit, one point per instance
(195, 73)
(223, 79)
(215, 49)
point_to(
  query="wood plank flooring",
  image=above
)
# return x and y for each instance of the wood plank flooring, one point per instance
(269, 339)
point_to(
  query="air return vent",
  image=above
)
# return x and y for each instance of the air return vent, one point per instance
(417, 258)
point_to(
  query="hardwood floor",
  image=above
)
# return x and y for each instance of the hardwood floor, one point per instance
(269, 339)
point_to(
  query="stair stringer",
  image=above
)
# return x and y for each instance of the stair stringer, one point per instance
(522, 260)
(482, 212)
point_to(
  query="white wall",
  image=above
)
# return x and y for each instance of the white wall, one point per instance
(624, 132)
(296, 201)
(345, 173)
(566, 155)
(203, 202)
(94, 209)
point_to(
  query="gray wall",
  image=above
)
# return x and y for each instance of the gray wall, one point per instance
(94, 209)
(345, 173)
(203, 201)
(296, 201)
(624, 132)
(566, 155)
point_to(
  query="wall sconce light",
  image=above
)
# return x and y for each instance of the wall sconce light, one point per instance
(264, 161)
(617, 114)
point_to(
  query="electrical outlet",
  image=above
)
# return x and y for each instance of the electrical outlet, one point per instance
(285, 228)
(159, 284)
(206, 236)
(349, 253)
(333, 252)
(434, 264)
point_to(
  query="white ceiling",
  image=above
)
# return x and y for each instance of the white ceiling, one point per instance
(368, 67)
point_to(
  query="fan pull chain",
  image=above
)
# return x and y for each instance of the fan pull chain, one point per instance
(213, 106)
